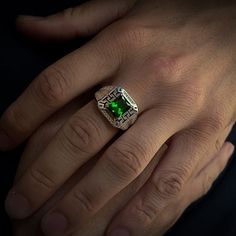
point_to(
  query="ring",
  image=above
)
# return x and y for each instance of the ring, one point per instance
(117, 106)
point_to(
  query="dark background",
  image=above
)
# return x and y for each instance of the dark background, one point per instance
(21, 60)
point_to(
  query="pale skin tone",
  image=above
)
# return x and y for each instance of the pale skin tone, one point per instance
(177, 59)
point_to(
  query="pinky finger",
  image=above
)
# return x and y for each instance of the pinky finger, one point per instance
(209, 173)
(150, 207)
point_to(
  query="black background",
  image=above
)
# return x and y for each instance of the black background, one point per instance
(21, 60)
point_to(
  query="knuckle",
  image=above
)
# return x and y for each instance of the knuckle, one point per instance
(193, 96)
(42, 179)
(130, 35)
(165, 69)
(81, 135)
(85, 201)
(121, 8)
(51, 86)
(169, 184)
(199, 135)
(215, 122)
(70, 13)
(186, 101)
(146, 212)
(125, 160)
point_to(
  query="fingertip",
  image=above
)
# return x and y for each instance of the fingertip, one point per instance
(17, 206)
(231, 149)
(54, 223)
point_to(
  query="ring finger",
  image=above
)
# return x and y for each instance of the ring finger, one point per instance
(121, 163)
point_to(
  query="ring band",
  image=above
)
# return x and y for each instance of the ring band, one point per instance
(117, 106)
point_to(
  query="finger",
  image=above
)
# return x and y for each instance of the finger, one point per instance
(55, 87)
(81, 138)
(165, 188)
(209, 173)
(217, 146)
(42, 137)
(84, 20)
(119, 166)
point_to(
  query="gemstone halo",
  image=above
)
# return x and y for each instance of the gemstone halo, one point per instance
(117, 106)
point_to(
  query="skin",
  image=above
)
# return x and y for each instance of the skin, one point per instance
(185, 50)
(99, 223)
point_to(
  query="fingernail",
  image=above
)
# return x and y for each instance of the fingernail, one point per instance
(17, 206)
(119, 232)
(54, 224)
(5, 141)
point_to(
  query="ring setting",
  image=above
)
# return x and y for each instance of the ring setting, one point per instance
(117, 106)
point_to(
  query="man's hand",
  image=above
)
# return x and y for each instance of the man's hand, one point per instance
(177, 61)
(99, 223)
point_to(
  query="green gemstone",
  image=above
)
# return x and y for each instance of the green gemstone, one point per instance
(118, 107)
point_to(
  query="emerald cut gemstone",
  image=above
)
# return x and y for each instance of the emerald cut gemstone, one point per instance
(118, 107)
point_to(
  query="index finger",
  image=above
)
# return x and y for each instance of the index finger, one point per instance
(55, 87)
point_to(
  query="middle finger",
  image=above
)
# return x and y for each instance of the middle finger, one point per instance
(119, 166)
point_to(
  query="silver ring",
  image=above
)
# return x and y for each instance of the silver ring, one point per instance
(117, 106)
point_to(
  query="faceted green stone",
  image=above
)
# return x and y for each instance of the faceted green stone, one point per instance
(118, 107)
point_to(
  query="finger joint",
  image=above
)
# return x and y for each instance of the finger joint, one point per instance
(84, 200)
(125, 160)
(42, 179)
(51, 87)
(145, 212)
(169, 184)
(82, 135)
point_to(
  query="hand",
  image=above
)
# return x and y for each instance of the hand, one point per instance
(99, 223)
(162, 48)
